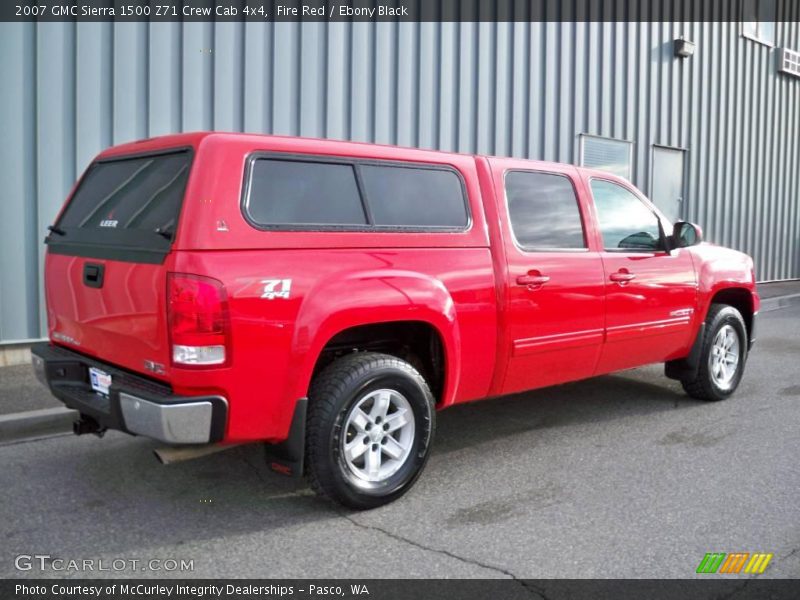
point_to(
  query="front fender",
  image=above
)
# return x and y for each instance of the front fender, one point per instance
(368, 297)
(719, 269)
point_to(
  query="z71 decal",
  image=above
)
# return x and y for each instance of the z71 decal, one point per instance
(276, 288)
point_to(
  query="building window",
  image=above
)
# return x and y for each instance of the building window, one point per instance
(758, 20)
(607, 154)
(789, 62)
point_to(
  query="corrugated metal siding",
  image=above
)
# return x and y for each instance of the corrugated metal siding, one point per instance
(522, 89)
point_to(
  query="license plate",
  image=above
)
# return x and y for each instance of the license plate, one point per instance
(100, 380)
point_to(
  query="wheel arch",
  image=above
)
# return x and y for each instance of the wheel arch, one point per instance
(420, 343)
(397, 307)
(739, 298)
(736, 296)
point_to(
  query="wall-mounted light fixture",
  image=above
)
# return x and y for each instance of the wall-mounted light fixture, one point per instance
(683, 48)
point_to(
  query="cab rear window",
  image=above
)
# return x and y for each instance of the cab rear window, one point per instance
(142, 194)
(317, 194)
(125, 208)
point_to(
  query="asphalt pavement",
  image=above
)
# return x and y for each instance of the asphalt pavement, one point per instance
(619, 476)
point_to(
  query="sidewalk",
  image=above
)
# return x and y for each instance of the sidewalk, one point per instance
(21, 391)
(779, 294)
(27, 409)
(778, 288)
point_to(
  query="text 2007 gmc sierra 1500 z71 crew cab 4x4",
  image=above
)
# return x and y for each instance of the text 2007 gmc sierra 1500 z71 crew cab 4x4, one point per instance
(328, 297)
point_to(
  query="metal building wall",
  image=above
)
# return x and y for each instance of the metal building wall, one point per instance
(522, 89)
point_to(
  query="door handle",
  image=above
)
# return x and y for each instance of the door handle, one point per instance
(622, 277)
(532, 279)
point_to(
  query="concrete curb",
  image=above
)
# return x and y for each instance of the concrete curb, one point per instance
(36, 423)
(779, 302)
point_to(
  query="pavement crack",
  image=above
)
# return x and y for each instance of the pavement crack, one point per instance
(259, 472)
(791, 553)
(469, 561)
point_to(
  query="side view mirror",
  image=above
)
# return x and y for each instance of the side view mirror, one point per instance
(686, 234)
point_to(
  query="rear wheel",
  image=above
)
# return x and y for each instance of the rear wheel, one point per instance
(723, 355)
(370, 428)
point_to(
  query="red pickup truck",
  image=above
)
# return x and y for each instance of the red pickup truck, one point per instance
(329, 297)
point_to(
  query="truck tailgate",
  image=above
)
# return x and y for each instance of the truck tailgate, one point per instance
(122, 322)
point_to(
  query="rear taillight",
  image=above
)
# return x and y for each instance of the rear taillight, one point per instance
(199, 323)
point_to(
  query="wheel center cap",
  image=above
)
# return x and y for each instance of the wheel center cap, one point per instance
(375, 435)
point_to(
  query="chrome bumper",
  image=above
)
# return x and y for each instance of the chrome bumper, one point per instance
(178, 423)
(134, 404)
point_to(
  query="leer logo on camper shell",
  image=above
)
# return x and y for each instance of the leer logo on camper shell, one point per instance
(716, 562)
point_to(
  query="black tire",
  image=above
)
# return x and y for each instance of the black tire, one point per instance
(333, 394)
(704, 386)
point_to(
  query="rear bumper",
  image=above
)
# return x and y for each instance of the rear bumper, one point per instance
(135, 405)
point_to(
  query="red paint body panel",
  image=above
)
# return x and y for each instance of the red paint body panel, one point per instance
(498, 336)
(120, 323)
(554, 329)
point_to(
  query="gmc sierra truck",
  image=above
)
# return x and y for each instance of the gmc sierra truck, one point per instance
(329, 298)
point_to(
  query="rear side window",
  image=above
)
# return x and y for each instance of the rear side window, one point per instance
(301, 194)
(543, 210)
(412, 197)
(142, 194)
(286, 192)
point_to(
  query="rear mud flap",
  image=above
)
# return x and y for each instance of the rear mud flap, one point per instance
(287, 457)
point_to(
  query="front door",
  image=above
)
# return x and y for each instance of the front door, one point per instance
(554, 282)
(651, 294)
(667, 186)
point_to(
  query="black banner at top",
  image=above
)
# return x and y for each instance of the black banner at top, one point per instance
(398, 10)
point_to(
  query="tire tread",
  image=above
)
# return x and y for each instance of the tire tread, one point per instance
(699, 387)
(325, 390)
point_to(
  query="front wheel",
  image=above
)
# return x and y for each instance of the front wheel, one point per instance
(370, 428)
(723, 355)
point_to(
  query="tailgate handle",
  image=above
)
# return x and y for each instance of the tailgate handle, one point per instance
(93, 275)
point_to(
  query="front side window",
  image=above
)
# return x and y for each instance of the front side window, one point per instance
(625, 221)
(543, 211)
(758, 20)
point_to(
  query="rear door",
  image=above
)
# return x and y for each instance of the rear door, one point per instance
(104, 272)
(554, 281)
(651, 294)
